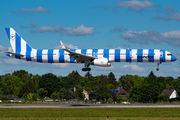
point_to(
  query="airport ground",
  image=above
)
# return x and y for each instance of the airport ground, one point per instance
(89, 112)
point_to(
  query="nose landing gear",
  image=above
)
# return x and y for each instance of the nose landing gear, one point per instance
(157, 67)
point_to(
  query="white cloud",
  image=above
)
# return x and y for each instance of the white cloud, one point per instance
(79, 31)
(12, 61)
(105, 6)
(134, 68)
(144, 37)
(38, 9)
(33, 24)
(119, 29)
(170, 13)
(118, 48)
(135, 5)
(23, 27)
(4, 49)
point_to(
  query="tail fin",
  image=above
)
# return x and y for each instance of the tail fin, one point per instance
(18, 44)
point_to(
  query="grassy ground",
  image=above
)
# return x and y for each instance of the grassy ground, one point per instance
(90, 113)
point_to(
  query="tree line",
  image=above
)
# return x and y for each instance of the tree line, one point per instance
(24, 85)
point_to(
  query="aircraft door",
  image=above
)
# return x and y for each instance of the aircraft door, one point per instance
(132, 53)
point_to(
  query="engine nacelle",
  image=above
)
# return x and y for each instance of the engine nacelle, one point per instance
(102, 62)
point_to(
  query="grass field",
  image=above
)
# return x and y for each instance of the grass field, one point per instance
(90, 113)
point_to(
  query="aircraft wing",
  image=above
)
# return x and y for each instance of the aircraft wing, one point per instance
(78, 56)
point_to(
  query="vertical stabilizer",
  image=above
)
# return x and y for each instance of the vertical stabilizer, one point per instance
(18, 44)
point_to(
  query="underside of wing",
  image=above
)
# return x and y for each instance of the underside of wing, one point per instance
(81, 57)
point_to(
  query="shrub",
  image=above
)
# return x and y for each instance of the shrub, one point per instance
(4, 99)
(7, 101)
(166, 98)
(110, 100)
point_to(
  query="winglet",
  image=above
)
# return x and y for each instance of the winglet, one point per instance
(76, 47)
(63, 47)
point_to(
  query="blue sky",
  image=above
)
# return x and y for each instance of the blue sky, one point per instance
(149, 24)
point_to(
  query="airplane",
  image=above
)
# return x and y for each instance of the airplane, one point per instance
(97, 57)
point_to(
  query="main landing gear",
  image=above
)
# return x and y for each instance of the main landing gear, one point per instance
(86, 65)
(157, 67)
(86, 69)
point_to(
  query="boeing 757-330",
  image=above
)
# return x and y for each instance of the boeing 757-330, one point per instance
(97, 57)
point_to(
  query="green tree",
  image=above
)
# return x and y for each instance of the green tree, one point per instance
(54, 95)
(42, 93)
(128, 86)
(92, 84)
(79, 93)
(25, 96)
(125, 79)
(66, 94)
(110, 86)
(169, 81)
(28, 86)
(118, 98)
(35, 97)
(16, 92)
(50, 83)
(88, 75)
(112, 79)
(152, 79)
(104, 96)
(8, 84)
(144, 93)
(166, 98)
(160, 98)
(110, 100)
(66, 82)
(19, 73)
(103, 80)
(75, 77)
(138, 80)
(177, 85)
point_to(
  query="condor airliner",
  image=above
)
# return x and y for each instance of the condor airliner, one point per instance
(97, 57)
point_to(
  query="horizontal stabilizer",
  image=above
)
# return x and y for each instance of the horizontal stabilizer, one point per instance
(14, 54)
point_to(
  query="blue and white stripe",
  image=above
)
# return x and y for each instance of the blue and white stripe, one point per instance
(20, 46)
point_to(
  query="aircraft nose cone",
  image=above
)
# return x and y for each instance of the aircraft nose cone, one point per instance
(173, 58)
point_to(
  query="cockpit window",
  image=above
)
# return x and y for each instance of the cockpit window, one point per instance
(169, 54)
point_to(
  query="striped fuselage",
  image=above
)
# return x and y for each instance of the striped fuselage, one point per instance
(113, 55)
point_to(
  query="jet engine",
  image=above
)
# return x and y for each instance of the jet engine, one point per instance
(102, 62)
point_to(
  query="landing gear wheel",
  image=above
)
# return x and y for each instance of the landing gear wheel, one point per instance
(86, 69)
(157, 69)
